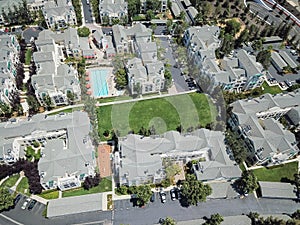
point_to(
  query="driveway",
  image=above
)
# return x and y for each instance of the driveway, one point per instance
(179, 80)
(87, 12)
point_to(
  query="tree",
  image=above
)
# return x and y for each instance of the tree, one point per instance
(244, 37)
(194, 191)
(232, 27)
(149, 15)
(171, 170)
(5, 110)
(257, 44)
(264, 57)
(121, 79)
(6, 199)
(47, 101)
(153, 5)
(247, 183)
(133, 8)
(83, 32)
(33, 104)
(143, 194)
(214, 219)
(168, 221)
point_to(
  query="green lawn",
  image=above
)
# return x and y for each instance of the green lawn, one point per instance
(164, 113)
(28, 56)
(277, 173)
(50, 194)
(271, 89)
(10, 181)
(23, 185)
(105, 185)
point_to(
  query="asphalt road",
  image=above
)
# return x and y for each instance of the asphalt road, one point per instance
(87, 12)
(179, 80)
(126, 214)
(274, 16)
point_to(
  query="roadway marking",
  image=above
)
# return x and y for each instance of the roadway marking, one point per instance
(10, 219)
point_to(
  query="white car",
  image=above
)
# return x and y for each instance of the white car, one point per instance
(25, 203)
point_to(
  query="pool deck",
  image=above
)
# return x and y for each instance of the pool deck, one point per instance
(112, 91)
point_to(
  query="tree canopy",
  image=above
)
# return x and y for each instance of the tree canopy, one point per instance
(83, 32)
(263, 57)
(194, 191)
(247, 183)
(144, 194)
(214, 219)
(168, 221)
(121, 79)
(6, 199)
(232, 27)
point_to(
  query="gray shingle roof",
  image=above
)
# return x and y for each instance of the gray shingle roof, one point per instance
(288, 59)
(277, 190)
(248, 62)
(275, 57)
(73, 205)
(142, 156)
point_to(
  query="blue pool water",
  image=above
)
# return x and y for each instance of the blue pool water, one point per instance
(99, 84)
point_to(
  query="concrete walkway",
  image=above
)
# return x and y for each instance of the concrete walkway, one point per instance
(39, 199)
(287, 161)
(119, 102)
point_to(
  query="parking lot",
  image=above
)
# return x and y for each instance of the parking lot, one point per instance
(128, 205)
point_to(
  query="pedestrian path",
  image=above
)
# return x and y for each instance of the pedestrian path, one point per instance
(14, 188)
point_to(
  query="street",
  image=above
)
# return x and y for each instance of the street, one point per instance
(150, 214)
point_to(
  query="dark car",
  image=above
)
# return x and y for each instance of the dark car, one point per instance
(173, 195)
(178, 193)
(31, 205)
(17, 199)
(152, 199)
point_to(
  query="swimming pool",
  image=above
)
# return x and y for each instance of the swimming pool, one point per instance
(99, 84)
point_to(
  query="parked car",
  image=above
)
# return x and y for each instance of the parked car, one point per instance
(294, 52)
(152, 199)
(178, 193)
(162, 196)
(31, 205)
(25, 203)
(17, 199)
(172, 193)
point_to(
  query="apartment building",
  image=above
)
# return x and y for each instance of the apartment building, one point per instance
(264, 137)
(9, 58)
(112, 9)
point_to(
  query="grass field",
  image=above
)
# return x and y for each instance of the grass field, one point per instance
(28, 57)
(271, 89)
(277, 173)
(23, 186)
(163, 113)
(51, 194)
(105, 185)
(10, 181)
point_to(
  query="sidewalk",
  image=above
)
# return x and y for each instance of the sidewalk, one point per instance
(18, 181)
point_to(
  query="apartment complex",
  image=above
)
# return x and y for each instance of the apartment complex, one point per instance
(236, 73)
(53, 77)
(9, 58)
(145, 72)
(140, 159)
(113, 9)
(163, 6)
(67, 154)
(59, 14)
(264, 137)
